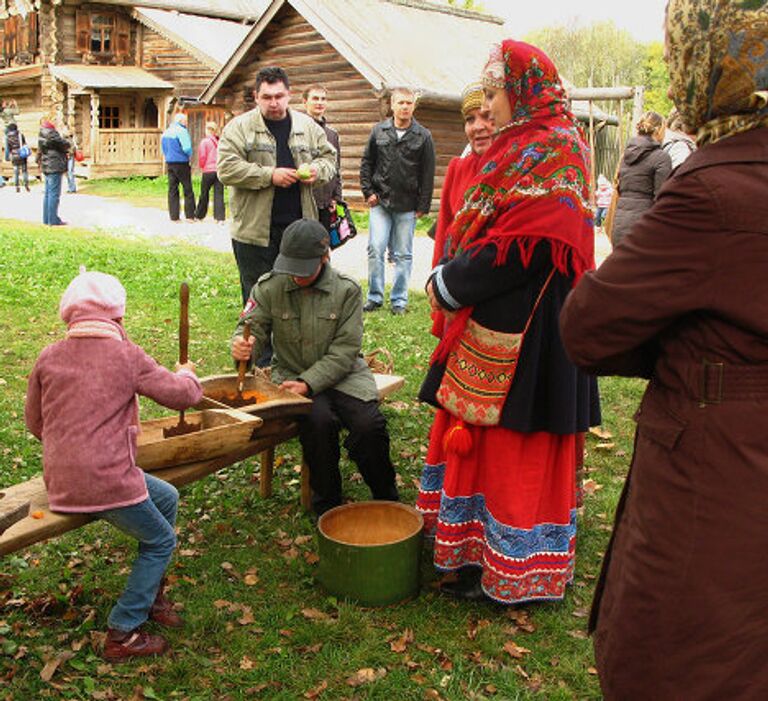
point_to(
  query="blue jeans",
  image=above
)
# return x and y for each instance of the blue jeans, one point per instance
(394, 230)
(21, 169)
(152, 523)
(71, 182)
(51, 199)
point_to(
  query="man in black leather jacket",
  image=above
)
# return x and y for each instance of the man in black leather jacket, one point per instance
(397, 175)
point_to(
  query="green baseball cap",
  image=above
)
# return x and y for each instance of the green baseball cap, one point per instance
(303, 246)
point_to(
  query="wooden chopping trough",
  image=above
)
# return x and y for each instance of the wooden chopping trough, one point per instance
(223, 431)
(259, 397)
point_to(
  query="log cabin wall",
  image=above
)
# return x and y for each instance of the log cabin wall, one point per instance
(73, 34)
(353, 108)
(170, 62)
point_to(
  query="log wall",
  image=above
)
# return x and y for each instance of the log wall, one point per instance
(168, 61)
(353, 108)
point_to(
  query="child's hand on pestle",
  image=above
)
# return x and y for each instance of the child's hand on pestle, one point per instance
(189, 365)
(242, 349)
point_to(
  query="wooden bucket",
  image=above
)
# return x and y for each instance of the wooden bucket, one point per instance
(370, 552)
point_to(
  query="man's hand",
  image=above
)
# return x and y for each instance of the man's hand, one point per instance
(284, 177)
(312, 177)
(297, 386)
(373, 200)
(242, 349)
(189, 365)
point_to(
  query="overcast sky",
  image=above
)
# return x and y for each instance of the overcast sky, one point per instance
(643, 19)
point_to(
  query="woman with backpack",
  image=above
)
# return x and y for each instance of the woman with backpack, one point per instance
(17, 152)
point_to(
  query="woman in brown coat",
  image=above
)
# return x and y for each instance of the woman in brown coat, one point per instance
(681, 609)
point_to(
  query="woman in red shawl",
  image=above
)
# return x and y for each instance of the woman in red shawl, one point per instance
(503, 450)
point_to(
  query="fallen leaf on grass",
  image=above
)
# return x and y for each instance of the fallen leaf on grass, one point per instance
(605, 446)
(303, 539)
(52, 665)
(247, 617)
(578, 634)
(291, 554)
(401, 642)
(246, 663)
(515, 650)
(311, 558)
(591, 670)
(601, 433)
(251, 579)
(475, 626)
(314, 693)
(366, 676)
(590, 486)
(315, 614)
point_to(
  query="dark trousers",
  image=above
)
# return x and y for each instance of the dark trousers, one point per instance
(252, 263)
(211, 180)
(180, 174)
(367, 445)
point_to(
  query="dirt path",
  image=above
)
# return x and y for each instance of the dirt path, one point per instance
(116, 218)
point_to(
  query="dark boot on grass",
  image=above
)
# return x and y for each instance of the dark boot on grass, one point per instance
(162, 610)
(121, 645)
(466, 586)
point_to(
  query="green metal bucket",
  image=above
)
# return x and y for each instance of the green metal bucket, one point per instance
(370, 552)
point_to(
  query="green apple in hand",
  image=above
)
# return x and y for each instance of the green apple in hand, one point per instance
(303, 172)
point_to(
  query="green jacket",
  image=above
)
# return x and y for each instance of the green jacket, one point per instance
(317, 331)
(246, 160)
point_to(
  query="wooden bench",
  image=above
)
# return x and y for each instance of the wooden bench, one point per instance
(29, 530)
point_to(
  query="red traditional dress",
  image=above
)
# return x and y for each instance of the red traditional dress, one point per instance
(503, 497)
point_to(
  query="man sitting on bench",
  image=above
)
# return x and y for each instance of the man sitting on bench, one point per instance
(314, 315)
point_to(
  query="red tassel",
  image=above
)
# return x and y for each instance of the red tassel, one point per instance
(458, 440)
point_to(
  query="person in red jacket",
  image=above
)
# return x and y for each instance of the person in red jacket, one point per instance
(207, 154)
(82, 404)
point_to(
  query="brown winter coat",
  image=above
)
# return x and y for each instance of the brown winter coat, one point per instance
(681, 609)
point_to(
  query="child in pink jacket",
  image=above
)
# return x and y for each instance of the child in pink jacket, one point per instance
(82, 404)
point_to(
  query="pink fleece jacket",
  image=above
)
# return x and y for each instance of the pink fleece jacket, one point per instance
(81, 403)
(207, 153)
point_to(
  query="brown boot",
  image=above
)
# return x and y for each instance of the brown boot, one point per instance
(162, 610)
(121, 646)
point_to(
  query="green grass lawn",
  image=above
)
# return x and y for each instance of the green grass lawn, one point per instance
(258, 624)
(153, 192)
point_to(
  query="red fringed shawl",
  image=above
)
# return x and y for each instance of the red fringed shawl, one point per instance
(533, 183)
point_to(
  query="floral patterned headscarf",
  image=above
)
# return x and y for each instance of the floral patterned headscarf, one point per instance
(533, 183)
(717, 53)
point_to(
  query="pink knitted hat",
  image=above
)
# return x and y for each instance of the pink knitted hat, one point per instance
(92, 295)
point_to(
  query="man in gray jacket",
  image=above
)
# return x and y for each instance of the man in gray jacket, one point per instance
(314, 316)
(271, 157)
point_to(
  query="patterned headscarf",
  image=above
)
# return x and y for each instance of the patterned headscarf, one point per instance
(533, 183)
(717, 52)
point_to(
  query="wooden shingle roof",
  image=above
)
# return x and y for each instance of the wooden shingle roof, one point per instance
(434, 49)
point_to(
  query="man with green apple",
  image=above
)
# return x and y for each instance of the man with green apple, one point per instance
(271, 157)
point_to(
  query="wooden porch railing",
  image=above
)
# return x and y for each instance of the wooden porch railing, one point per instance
(113, 146)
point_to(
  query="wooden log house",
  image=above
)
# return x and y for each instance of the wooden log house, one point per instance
(113, 73)
(359, 51)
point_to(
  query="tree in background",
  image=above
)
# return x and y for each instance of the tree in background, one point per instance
(601, 53)
(656, 79)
